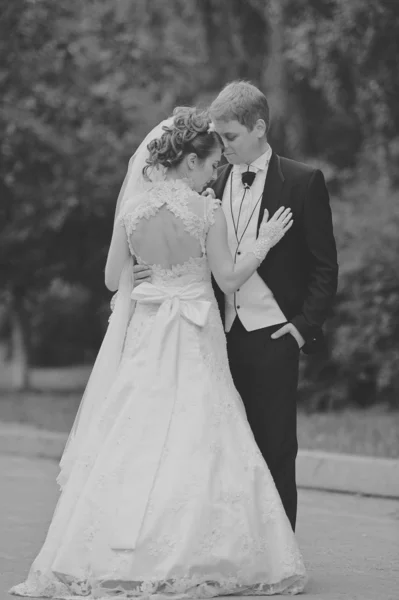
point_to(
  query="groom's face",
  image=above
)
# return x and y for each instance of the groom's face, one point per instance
(241, 146)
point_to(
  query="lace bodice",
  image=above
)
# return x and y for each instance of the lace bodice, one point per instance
(167, 228)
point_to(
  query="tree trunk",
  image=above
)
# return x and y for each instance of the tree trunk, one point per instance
(216, 17)
(19, 344)
(286, 123)
(274, 73)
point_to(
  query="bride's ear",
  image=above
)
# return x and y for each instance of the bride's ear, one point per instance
(191, 160)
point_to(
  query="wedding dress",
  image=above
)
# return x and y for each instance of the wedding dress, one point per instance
(169, 496)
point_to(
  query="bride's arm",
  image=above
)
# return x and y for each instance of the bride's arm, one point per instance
(229, 275)
(117, 255)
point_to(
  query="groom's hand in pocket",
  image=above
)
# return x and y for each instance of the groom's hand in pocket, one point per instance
(290, 329)
(141, 273)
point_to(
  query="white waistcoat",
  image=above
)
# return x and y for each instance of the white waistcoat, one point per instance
(253, 303)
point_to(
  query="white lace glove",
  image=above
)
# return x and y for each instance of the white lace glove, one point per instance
(209, 193)
(112, 302)
(271, 232)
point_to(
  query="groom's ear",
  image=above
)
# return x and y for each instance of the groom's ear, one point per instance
(260, 128)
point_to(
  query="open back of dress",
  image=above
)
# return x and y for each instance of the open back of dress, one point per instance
(167, 227)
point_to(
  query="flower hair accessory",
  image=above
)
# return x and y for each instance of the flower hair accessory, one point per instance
(211, 128)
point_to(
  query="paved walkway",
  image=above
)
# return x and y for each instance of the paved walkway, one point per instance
(350, 543)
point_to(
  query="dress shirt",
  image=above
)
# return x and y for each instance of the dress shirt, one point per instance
(254, 303)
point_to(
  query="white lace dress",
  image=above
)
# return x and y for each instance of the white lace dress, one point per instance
(171, 496)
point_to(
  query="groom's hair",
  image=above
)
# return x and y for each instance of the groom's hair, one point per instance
(243, 102)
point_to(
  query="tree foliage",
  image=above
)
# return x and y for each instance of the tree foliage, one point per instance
(82, 83)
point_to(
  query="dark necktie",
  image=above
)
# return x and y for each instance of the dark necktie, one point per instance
(247, 179)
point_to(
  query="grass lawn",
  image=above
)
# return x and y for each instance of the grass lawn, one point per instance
(369, 432)
(373, 432)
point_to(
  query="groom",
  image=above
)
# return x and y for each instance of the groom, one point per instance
(282, 307)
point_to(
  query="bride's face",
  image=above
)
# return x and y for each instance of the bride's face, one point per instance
(203, 172)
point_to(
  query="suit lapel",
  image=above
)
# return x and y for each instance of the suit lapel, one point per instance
(272, 197)
(218, 187)
(221, 180)
(272, 192)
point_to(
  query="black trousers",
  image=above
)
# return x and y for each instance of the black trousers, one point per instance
(265, 373)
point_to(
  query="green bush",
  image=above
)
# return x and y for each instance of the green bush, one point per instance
(361, 365)
(67, 325)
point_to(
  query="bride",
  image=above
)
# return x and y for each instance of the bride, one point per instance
(164, 492)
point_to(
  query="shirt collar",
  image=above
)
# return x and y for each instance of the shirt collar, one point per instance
(259, 164)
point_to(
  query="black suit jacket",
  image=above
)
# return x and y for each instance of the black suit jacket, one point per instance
(302, 269)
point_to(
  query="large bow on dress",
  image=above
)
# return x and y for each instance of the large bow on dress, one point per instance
(158, 393)
(184, 300)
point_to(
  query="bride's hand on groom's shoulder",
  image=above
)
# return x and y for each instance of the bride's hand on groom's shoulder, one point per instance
(141, 273)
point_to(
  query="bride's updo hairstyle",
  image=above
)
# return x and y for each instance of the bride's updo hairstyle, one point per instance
(190, 132)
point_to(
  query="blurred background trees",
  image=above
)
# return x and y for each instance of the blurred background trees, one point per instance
(81, 85)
